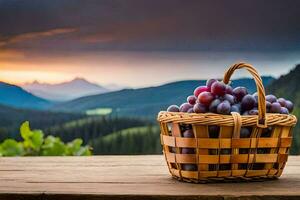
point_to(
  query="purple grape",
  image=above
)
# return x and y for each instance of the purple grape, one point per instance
(209, 84)
(199, 108)
(189, 167)
(172, 149)
(173, 108)
(275, 107)
(199, 90)
(228, 90)
(229, 98)
(254, 111)
(289, 105)
(245, 112)
(213, 131)
(271, 98)
(282, 101)
(245, 132)
(218, 88)
(224, 108)
(185, 107)
(188, 134)
(268, 106)
(206, 98)
(266, 132)
(236, 108)
(187, 150)
(239, 93)
(248, 102)
(256, 99)
(191, 110)
(214, 104)
(284, 111)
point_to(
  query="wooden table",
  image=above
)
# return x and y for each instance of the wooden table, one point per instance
(126, 177)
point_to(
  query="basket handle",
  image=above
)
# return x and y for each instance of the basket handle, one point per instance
(261, 122)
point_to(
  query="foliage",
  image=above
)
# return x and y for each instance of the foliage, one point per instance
(34, 144)
(137, 140)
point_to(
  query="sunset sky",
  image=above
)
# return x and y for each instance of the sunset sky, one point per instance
(140, 43)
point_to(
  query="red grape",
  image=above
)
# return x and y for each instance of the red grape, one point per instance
(228, 89)
(289, 105)
(206, 98)
(275, 107)
(185, 107)
(239, 93)
(188, 133)
(213, 105)
(209, 84)
(200, 108)
(199, 90)
(173, 108)
(187, 150)
(224, 108)
(192, 99)
(271, 98)
(248, 102)
(218, 88)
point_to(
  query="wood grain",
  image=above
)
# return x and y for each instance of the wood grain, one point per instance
(126, 177)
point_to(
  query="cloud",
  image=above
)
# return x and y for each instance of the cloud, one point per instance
(11, 54)
(34, 35)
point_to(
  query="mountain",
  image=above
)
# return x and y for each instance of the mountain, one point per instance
(65, 91)
(15, 96)
(288, 86)
(145, 101)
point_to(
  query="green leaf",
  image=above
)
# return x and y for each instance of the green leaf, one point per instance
(53, 146)
(25, 130)
(11, 147)
(32, 139)
(74, 148)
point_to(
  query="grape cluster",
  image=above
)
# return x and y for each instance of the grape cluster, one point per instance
(217, 97)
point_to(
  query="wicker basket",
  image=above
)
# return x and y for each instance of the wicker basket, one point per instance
(228, 157)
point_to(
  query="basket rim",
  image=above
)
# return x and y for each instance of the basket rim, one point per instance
(224, 120)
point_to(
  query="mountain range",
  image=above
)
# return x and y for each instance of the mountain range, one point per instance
(65, 91)
(145, 101)
(12, 95)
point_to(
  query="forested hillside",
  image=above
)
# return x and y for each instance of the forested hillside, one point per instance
(136, 140)
(146, 101)
(93, 127)
(12, 118)
(288, 86)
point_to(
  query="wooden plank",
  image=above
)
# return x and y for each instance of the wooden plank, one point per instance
(126, 177)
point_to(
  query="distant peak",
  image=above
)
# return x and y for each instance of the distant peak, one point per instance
(35, 82)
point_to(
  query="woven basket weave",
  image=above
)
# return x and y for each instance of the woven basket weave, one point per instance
(221, 159)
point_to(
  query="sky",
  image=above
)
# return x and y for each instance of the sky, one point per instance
(140, 43)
